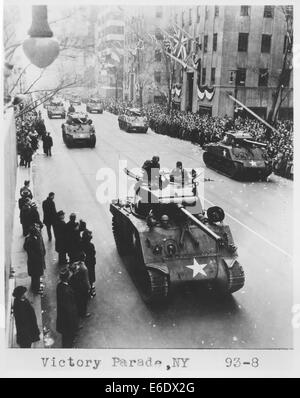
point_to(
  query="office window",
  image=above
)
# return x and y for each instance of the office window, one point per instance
(182, 18)
(205, 43)
(198, 14)
(243, 42)
(266, 43)
(269, 12)
(213, 76)
(176, 18)
(263, 78)
(215, 42)
(217, 10)
(203, 76)
(157, 55)
(245, 11)
(157, 77)
(190, 16)
(286, 77)
(241, 77)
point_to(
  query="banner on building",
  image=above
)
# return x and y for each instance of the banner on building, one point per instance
(206, 92)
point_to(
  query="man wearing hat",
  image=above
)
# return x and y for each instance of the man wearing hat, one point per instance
(67, 322)
(26, 188)
(60, 232)
(80, 284)
(36, 258)
(73, 238)
(25, 318)
(50, 213)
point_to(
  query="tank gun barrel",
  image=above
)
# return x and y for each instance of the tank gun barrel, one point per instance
(209, 232)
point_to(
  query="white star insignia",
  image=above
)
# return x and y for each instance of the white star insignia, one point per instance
(197, 268)
(253, 163)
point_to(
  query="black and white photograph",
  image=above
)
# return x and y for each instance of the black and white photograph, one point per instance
(149, 198)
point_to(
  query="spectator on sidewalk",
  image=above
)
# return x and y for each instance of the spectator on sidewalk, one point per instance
(36, 252)
(35, 216)
(26, 189)
(90, 261)
(73, 238)
(60, 232)
(67, 322)
(25, 318)
(48, 144)
(50, 214)
(27, 155)
(79, 282)
(25, 217)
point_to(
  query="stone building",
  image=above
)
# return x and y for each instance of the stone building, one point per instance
(240, 51)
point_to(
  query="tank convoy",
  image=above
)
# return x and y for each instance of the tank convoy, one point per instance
(239, 157)
(132, 121)
(170, 238)
(94, 105)
(78, 130)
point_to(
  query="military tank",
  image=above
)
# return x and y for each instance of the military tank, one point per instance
(168, 236)
(239, 157)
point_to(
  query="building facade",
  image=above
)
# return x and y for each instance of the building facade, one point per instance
(145, 70)
(240, 51)
(110, 38)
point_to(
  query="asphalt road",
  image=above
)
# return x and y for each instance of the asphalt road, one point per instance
(260, 217)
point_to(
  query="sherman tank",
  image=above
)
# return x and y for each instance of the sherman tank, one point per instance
(169, 238)
(238, 156)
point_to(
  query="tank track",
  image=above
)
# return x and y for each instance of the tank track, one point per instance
(210, 162)
(236, 278)
(159, 286)
(121, 241)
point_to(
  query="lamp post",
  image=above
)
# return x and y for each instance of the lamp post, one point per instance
(40, 48)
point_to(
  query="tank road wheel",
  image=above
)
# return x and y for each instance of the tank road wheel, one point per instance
(121, 235)
(155, 286)
(230, 280)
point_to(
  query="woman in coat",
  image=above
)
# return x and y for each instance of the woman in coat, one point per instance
(25, 318)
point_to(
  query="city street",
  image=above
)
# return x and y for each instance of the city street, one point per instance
(260, 217)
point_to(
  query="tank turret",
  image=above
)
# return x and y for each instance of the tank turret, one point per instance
(238, 156)
(167, 235)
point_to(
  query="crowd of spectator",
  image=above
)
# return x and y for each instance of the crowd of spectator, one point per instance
(202, 129)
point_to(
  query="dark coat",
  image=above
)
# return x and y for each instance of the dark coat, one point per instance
(80, 282)
(48, 142)
(35, 249)
(67, 321)
(60, 233)
(73, 238)
(89, 249)
(34, 217)
(50, 212)
(25, 216)
(26, 323)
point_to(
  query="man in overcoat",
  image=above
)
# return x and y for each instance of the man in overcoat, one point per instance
(36, 252)
(25, 319)
(67, 322)
(50, 213)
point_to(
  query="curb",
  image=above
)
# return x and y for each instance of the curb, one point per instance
(19, 267)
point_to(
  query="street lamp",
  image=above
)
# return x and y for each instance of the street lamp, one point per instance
(40, 48)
